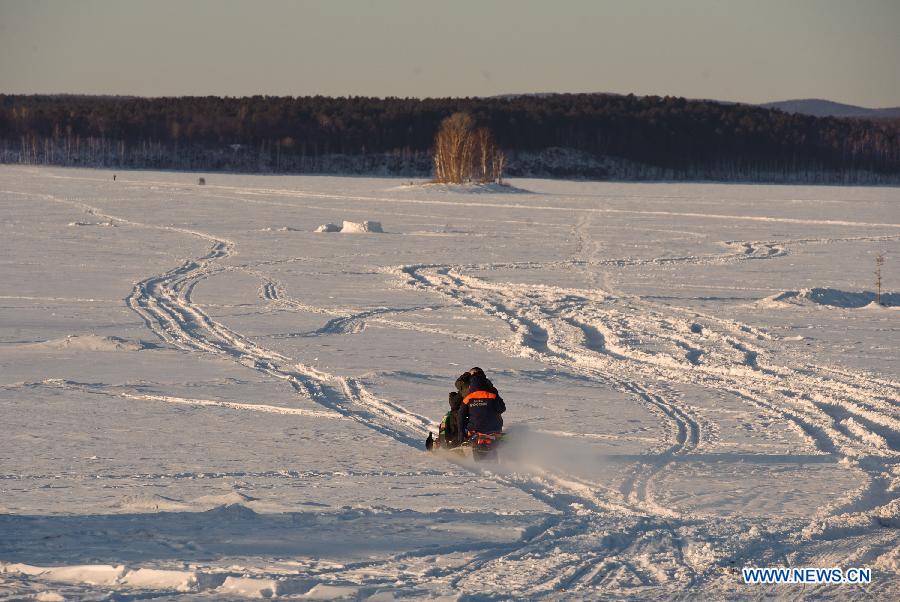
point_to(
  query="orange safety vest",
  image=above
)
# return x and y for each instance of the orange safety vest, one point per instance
(479, 395)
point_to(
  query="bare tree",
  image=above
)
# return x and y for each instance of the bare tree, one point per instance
(452, 147)
(463, 154)
(484, 145)
(879, 261)
(498, 161)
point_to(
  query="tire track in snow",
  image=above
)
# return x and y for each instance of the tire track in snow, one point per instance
(863, 432)
(557, 492)
(343, 320)
(125, 393)
(166, 298)
(581, 523)
(164, 302)
(541, 335)
(731, 361)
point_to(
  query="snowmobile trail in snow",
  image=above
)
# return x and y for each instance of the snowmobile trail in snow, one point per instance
(685, 379)
(165, 304)
(550, 324)
(851, 418)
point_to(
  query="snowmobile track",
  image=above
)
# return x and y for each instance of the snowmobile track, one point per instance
(845, 414)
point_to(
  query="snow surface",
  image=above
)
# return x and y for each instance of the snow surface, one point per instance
(208, 400)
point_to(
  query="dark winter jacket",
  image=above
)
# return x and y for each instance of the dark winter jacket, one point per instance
(482, 407)
(448, 436)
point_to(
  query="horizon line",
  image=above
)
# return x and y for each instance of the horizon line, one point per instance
(491, 96)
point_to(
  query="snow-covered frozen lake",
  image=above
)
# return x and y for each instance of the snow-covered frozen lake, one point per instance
(203, 398)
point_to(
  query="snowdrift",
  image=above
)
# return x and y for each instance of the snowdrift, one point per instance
(89, 342)
(360, 227)
(328, 228)
(830, 297)
(107, 223)
(280, 229)
(352, 227)
(467, 188)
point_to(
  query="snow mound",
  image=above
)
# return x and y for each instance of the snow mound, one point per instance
(227, 499)
(280, 229)
(230, 506)
(182, 581)
(106, 575)
(151, 503)
(330, 592)
(830, 297)
(467, 188)
(232, 512)
(352, 227)
(21, 569)
(248, 587)
(263, 587)
(361, 227)
(328, 228)
(89, 342)
(108, 223)
(889, 561)
(92, 574)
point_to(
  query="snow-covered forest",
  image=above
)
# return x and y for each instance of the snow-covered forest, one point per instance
(591, 136)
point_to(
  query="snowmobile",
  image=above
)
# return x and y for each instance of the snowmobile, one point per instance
(483, 446)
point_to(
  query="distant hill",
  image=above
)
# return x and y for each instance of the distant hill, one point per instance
(814, 107)
(826, 108)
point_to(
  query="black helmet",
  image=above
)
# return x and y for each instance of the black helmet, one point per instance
(462, 383)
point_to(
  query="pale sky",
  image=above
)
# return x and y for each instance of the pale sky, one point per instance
(750, 51)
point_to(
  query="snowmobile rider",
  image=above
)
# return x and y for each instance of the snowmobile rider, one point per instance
(448, 435)
(481, 405)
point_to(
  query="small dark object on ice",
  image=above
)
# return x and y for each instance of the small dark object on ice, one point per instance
(429, 443)
(201, 181)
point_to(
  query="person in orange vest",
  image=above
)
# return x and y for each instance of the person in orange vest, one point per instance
(480, 415)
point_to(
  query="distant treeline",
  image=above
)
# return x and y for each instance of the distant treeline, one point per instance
(581, 135)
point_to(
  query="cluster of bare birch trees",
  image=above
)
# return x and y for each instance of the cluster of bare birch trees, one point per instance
(463, 153)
